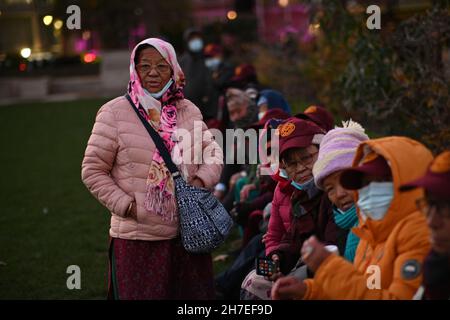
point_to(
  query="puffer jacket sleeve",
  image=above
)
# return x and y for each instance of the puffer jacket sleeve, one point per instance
(210, 169)
(276, 230)
(99, 160)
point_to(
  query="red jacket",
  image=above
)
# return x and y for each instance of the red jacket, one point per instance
(280, 216)
(315, 218)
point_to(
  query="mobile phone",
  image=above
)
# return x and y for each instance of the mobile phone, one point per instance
(266, 267)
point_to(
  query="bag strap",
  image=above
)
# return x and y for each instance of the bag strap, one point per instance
(157, 140)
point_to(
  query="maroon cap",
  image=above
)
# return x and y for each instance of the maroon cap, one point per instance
(437, 179)
(244, 72)
(373, 165)
(298, 133)
(212, 50)
(275, 113)
(319, 115)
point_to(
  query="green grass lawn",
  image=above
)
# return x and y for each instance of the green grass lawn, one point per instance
(48, 219)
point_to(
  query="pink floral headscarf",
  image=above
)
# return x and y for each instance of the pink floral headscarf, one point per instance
(162, 115)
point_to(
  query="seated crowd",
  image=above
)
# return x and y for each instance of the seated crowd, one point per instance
(342, 216)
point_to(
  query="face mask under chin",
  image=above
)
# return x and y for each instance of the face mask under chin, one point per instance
(159, 94)
(283, 174)
(309, 187)
(303, 186)
(261, 114)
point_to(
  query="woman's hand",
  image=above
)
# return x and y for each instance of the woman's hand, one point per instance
(274, 277)
(132, 211)
(197, 182)
(314, 253)
(245, 192)
(264, 238)
(288, 288)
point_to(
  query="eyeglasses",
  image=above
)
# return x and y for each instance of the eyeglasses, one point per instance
(161, 68)
(440, 208)
(305, 161)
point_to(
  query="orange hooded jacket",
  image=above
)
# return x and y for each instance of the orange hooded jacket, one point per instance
(388, 261)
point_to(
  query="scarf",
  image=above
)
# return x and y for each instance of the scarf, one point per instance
(162, 116)
(347, 221)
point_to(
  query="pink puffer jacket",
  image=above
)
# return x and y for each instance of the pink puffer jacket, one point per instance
(280, 216)
(117, 161)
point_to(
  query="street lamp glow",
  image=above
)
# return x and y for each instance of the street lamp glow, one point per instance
(58, 24)
(231, 15)
(283, 3)
(25, 53)
(47, 20)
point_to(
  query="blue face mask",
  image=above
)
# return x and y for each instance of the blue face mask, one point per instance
(283, 174)
(212, 63)
(159, 94)
(308, 187)
(195, 45)
(303, 186)
(348, 211)
(375, 199)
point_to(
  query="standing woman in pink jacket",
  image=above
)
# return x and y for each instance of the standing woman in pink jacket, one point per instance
(123, 169)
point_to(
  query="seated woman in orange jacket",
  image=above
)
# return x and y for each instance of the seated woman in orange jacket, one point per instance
(394, 235)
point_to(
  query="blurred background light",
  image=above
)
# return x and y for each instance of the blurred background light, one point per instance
(58, 24)
(47, 20)
(283, 3)
(231, 15)
(25, 53)
(89, 57)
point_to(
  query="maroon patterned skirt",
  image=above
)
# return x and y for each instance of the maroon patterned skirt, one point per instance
(141, 270)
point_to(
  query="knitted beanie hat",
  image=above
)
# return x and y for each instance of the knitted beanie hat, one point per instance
(337, 150)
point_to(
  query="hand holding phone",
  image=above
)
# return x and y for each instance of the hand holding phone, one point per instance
(266, 267)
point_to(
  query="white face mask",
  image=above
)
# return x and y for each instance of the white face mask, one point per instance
(159, 94)
(375, 199)
(261, 114)
(195, 45)
(213, 63)
(252, 93)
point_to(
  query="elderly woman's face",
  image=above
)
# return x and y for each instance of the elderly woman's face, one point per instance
(237, 104)
(153, 70)
(340, 197)
(298, 163)
(236, 110)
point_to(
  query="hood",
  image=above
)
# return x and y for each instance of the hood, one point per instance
(408, 160)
